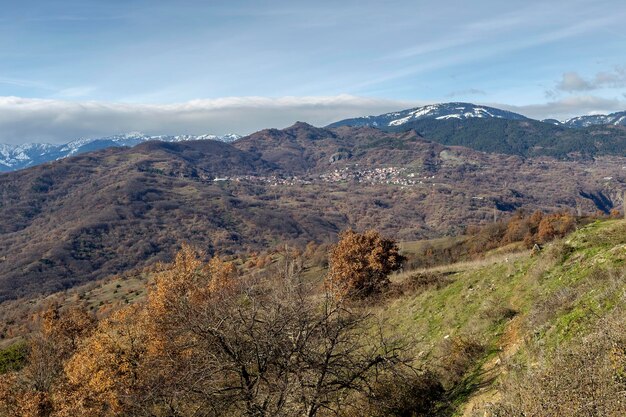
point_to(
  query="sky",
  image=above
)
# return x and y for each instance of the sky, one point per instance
(83, 68)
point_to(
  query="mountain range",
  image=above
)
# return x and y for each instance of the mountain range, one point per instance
(443, 111)
(465, 111)
(492, 130)
(112, 210)
(617, 119)
(105, 206)
(14, 157)
(479, 127)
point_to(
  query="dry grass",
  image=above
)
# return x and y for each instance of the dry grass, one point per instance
(463, 266)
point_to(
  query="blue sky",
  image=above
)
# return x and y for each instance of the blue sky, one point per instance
(81, 68)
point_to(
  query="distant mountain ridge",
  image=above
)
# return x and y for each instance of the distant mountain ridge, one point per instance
(482, 128)
(113, 210)
(616, 119)
(492, 130)
(14, 157)
(441, 111)
(468, 111)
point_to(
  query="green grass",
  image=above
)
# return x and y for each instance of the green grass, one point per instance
(558, 295)
(504, 300)
(13, 358)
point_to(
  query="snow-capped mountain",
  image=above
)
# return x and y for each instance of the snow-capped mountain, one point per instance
(617, 119)
(14, 157)
(443, 111)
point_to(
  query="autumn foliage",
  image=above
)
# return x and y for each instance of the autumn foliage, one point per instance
(360, 264)
(206, 342)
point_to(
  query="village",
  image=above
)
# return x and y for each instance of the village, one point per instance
(373, 176)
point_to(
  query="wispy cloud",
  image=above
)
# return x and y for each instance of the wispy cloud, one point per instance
(467, 34)
(76, 92)
(474, 50)
(467, 92)
(47, 89)
(36, 120)
(21, 82)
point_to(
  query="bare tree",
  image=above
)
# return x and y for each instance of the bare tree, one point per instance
(267, 346)
(210, 343)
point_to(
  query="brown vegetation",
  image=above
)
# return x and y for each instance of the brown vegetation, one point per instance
(585, 379)
(206, 343)
(360, 264)
(521, 228)
(85, 218)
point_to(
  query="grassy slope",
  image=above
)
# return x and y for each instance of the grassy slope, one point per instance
(512, 303)
(559, 294)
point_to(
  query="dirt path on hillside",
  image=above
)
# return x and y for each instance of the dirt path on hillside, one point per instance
(510, 342)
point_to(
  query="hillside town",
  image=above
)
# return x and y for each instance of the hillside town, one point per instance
(372, 176)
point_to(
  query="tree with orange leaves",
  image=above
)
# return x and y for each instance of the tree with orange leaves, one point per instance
(33, 391)
(360, 264)
(209, 344)
(109, 375)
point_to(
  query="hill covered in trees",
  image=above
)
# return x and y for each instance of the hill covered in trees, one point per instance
(527, 138)
(107, 212)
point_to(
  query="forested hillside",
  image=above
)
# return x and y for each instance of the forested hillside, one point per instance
(490, 129)
(111, 211)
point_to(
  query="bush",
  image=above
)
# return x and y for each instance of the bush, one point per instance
(422, 281)
(406, 395)
(585, 378)
(13, 358)
(458, 355)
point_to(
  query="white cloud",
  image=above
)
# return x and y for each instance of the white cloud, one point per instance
(615, 78)
(39, 120)
(568, 107)
(57, 121)
(572, 81)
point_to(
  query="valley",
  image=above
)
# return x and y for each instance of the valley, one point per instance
(110, 211)
(313, 209)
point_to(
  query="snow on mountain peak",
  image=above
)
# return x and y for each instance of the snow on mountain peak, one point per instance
(440, 111)
(14, 157)
(616, 119)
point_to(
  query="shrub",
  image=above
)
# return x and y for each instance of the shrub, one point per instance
(458, 355)
(13, 358)
(584, 378)
(422, 281)
(406, 395)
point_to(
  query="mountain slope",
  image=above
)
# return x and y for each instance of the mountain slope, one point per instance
(442, 111)
(527, 311)
(14, 157)
(109, 211)
(616, 119)
(527, 138)
(515, 332)
(302, 148)
(491, 130)
(100, 213)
